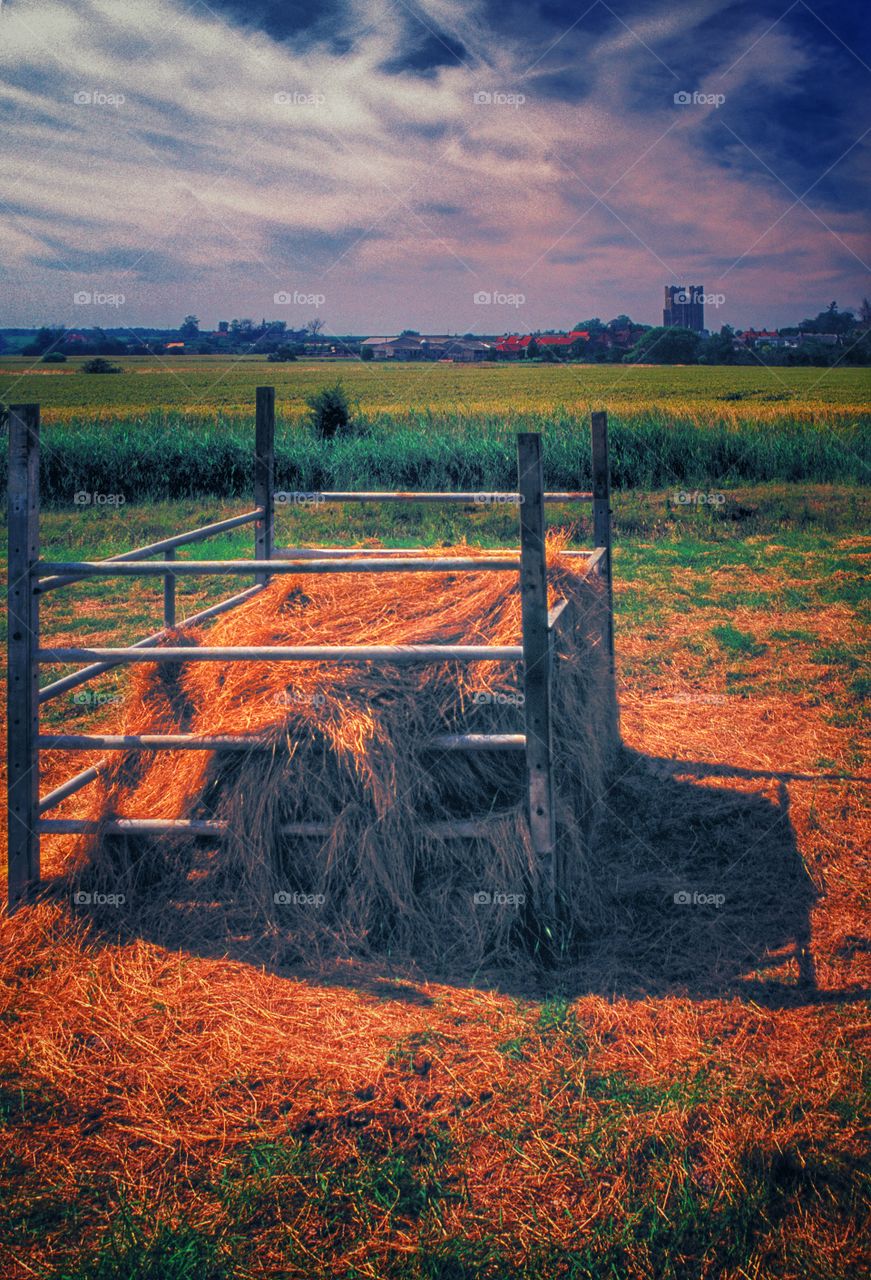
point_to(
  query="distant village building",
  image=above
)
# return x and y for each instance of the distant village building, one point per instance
(684, 307)
(429, 347)
(515, 347)
(768, 338)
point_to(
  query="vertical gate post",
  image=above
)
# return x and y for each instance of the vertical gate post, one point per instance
(169, 592)
(22, 698)
(264, 476)
(602, 512)
(536, 660)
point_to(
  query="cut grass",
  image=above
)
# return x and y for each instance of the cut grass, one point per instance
(135, 1248)
(166, 1114)
(735, 641)
(312, 1204)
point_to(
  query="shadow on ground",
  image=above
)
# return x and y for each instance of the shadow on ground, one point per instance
(705, 894)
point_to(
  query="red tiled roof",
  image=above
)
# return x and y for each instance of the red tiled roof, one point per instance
(562, 339)
(516, 342)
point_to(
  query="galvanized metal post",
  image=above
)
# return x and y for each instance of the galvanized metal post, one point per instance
(22, 646)
(536, 661)
(169, 592)
(264, 476)
(602, 511)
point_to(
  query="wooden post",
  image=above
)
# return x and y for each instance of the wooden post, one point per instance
(536, 660)
(169, 592)
(23, 643)
(264, 476)
(602, 512)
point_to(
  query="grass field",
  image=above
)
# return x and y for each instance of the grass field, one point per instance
(688, 1102)
(197, 385)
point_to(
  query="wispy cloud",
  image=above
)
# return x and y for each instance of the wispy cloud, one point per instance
(399, 157)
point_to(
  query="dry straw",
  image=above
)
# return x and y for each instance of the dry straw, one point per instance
(350, 745)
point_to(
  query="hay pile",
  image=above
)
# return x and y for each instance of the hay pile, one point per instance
(348, 746)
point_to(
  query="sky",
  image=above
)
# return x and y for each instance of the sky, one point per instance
(448, 166)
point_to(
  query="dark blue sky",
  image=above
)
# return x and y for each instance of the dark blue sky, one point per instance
(392, 163)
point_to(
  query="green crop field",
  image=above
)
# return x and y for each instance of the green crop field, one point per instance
(224, 385)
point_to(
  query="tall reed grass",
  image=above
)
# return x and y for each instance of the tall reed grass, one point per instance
(172, 455)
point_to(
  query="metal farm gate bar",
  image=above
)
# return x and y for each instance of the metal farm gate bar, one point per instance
(30, 579)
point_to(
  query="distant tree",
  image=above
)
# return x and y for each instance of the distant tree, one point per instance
(829, 321)
(101, 344)
(99, 365)
(281, 355)
(46, 340)
(719, 348)
(54, 357)
(591, 326)
(410, 333)
(665, 346)
(532, 350)
(618, 323)
(865, 312)
(223, 326)
(189, 327)
(315, 326)
(859, 348)
(366, 353)
(549, 355)
(812, 353)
